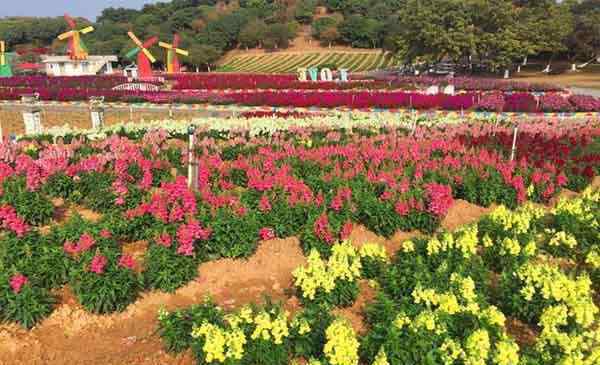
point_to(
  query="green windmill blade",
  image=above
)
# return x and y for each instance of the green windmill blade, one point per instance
(133, 52)
(5, 61)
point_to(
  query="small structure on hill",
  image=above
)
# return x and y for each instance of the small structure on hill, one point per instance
(65, 66)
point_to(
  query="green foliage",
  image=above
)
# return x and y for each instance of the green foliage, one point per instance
(232, 235)
(113, 290)
(27, 307)
(175, 327)
(32, 206)
(39, 258)
(166, 270)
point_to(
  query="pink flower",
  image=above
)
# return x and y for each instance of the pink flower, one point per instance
(264, 205)
(17, 282)
(105, 233)
(346, 230)
(402, 208)
(86, 241)
(127, 261)
(561, 179)
(321, 228)
(119, 200)
(266, 233)
(98, 264)
(70, 247)
(440, 198)
(164, 240)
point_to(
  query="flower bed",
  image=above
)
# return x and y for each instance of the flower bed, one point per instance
(436, 300)
(316, 183)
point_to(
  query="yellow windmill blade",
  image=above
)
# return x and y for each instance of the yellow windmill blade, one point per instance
(66, 35)
(135, 39)
(2, 45)
(149, 55)
(165, 45)
(87, 30)
(182, 52)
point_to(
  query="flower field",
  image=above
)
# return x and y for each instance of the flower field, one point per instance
(284, 90)
(103, 226)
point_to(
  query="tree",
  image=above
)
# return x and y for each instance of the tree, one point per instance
(329, 35)
(252, 33)
(202, 56)
(305, 10)
(278, 35)
(117, 15)
(360, 31)
(584, 42)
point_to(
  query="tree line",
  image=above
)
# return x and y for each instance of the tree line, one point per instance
(490, 34)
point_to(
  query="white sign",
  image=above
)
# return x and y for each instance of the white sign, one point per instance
(33, 122)
(97, 119)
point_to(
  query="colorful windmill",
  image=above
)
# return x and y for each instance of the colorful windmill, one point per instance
(77, 49)
(144, 57)
(172, 51)
(5, 61)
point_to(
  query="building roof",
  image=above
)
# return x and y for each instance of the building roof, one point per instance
(67, 59)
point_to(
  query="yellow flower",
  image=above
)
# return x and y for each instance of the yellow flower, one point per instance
(373, 250)
(477, 348)
(507, 353)
(408, 246)
(341, 347)
(381, 358)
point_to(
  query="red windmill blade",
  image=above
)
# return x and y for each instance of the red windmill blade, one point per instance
(70, 21)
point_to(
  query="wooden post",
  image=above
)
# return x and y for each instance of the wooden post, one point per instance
(192, 161)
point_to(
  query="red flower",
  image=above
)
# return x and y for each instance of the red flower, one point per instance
(264, 205)
(346, 230)
(17, 282)
(440, 198)
(127, 261)
(164, 240)
(98, 264)
(266, 233)
(402, 208)
(105, 233)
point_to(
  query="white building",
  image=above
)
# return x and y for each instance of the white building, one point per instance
(65, 66)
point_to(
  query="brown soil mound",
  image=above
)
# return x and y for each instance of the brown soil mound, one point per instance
(73, 336)
(463, 212)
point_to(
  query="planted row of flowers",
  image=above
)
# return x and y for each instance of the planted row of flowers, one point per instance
(315, 183)
(202, 81)
(357, 99)
(444, 299)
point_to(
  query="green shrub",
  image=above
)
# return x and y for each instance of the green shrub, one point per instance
(166, 270)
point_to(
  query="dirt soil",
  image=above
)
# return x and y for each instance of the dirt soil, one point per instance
(73, 336)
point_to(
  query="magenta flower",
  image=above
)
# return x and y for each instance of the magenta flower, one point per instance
(127, 261)
(17, 282)
(98, 264)
(266, 233)
(440, 198)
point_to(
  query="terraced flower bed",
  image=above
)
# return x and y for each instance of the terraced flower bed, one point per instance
(107, 221)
